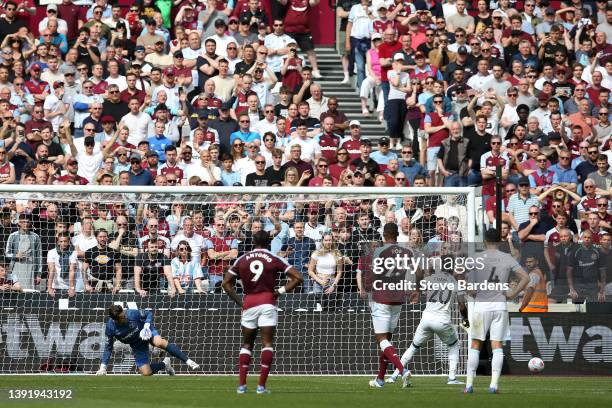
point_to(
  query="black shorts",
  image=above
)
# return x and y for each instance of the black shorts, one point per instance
(303, 40)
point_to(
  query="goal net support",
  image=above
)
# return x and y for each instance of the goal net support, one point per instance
(318, 333)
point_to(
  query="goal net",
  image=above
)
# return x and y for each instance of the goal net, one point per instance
(53, 311)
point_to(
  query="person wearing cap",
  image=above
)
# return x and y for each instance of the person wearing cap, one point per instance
(353, 141)
(52, 14)
(297, 24)
(245, 35)
(383, 155)
(225, 126)
(544, 26)
(279, 46)
(138, 175)
(220, 38)
(88, 160)
(519, 204)
(36, 86)
(71, 87)
(151, 164)
(149, 36)
(158, 56)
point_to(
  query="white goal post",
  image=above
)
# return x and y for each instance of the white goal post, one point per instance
(317, 333)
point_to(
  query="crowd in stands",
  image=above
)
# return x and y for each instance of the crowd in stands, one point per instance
(218, 93)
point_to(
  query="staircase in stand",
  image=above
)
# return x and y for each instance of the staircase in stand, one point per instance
(330, 65)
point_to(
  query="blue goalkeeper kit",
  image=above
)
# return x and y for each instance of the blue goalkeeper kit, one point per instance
(129, 333)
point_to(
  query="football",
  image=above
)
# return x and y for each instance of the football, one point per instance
(536, 365)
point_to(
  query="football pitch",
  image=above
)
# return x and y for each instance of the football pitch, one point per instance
(307, 391)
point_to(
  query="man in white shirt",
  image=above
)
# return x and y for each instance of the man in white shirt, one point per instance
(115, 19)
(221, 39)
(62, 26)
(318, 102)
(137, 122)
(196, 241)
(246, 165)
(89, 162)
(268, 123)
(52, 73)
(205, 170)
(277, 44)
(113, 76)
(54, 106)
(311, 150)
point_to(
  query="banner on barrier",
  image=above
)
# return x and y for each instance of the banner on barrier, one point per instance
(568, 343)
(68, 336)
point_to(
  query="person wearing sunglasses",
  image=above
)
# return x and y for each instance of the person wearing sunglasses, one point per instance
(244, 134)
(267, 123)
(488, 165)
(258, 178)
(541, 179)
(186, 270)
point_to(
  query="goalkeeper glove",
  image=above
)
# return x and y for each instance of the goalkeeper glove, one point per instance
(465, 324)
(102, 370)
(145, 333)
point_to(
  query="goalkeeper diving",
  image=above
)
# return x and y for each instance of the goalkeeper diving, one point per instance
(135, 328)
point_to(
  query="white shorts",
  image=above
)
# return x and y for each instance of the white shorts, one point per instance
(259, 316)
(496, 323)
(428, 327)
(432, 158)
(384, 317)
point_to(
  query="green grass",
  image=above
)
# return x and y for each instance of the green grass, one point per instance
(321, 392)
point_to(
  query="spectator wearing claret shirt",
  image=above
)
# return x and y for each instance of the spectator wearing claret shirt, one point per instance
(341, 165)
(328, 140)
(322, 168)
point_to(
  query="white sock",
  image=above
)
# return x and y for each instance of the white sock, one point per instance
(406, 358)
(453, 360)
(472, 366)
(408, 354)
(496, 366)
